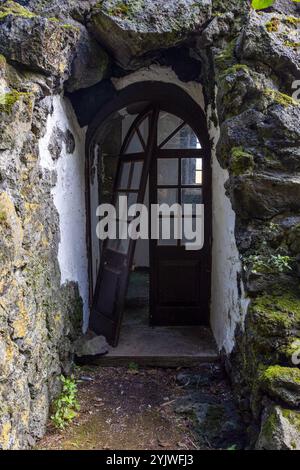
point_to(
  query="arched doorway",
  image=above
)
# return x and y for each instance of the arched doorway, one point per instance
(163, 157)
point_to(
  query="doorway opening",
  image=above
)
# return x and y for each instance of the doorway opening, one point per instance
(151, 296)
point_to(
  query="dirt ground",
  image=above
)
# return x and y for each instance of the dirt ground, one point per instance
(136, 409)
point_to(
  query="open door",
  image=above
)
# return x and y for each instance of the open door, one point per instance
(116, 256)
(180, 278)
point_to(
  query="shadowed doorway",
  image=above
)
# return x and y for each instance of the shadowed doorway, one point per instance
(153, 152)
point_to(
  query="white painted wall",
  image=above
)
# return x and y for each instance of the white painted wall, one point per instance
(227, 308)
(69, 198)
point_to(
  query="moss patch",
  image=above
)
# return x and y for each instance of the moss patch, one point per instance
(280, 311)
(273, 25)
(293, 417)
(280, 98)
(293, 45)
(226, 58)
(270, 426)
(126, 9)
(13, 8)
(291, 20)
(241, 161)
(3, 217)
(8, 100)
(275, 373)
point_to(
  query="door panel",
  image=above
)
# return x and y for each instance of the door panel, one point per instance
(116, 257)
(180, 278)
(165, 148)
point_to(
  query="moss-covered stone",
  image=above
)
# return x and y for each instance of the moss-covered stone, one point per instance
(234, 69)
(292, 44)
(275, 314)
(280, 429)
(9, 99)
(291, 20)
(280, 98)
(241, 161)
(128, 9)
(226, 57)
(12, 8)
(282, 383)
(273, 25)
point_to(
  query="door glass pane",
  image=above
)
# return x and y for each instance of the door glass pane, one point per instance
(121, 206)
(144, 129)
(167, 123)
(185, 138)
(135, 145)
(123, 246)
(191, 196)
(122, 210)
(124, 177)
(167, 171)
(191, 171)
(136, 175)
(167, 195)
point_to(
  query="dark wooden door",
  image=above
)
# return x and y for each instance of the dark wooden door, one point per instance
(180, 278)
(116, 256)
(179, 172)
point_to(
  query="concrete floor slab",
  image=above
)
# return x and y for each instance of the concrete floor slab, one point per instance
(164, 346)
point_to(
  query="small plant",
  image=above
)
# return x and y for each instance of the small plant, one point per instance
(66, 406)
(233, 447)
(269, 263)
(133, 367)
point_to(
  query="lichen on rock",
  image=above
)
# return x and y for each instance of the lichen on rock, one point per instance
(280, 430)
(132, 29)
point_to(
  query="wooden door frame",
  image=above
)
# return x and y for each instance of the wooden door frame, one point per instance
(166, 97)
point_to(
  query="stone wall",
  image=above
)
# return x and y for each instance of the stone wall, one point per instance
(246, 63)
(39, 316)
(255, 61)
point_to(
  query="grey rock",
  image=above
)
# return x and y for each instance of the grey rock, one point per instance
(260, 45)
(90, 345)
(64, 9)
(263, 196)
(69, 141)
(90, 64)
(40, 44)
(282, 383)
(280, 429)
(56, 143)
(57, 139)
(129, 30)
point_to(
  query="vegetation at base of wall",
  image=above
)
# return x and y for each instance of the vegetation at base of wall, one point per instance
(133, 367)
(66, 405)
